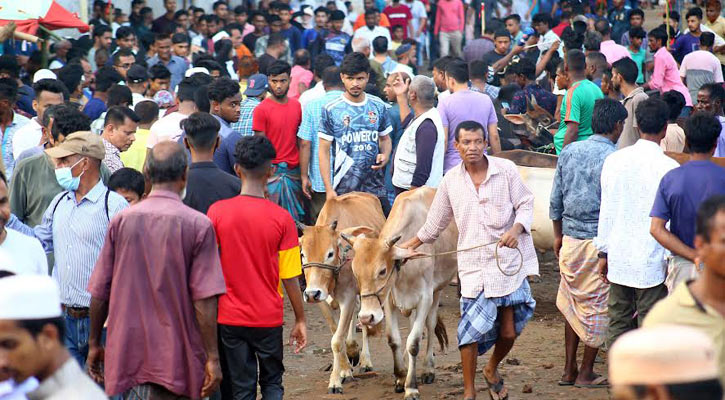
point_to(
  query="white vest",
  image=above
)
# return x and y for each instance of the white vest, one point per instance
(405, 155)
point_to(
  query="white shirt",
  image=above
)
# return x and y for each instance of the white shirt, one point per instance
(317, 92)
(22, 255)
(630, 178)
(27, 137)
(372, 34)
(137, 98)
(417, 10)
(167, 128)
(719, 41)
(546, 41)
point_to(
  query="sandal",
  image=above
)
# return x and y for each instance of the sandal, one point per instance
(598, 382)
(494, 389)
(566, 383)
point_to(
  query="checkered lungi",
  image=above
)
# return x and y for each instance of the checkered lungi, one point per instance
(150, 391)
(479, 322)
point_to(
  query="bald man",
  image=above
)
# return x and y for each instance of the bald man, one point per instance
(173, 309)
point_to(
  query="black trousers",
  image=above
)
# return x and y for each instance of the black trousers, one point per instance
(251, 355)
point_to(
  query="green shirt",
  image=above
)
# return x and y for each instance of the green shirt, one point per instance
(638, 58)
(577, 106)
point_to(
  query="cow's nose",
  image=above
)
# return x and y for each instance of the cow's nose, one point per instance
(312, 295)
(366, 319)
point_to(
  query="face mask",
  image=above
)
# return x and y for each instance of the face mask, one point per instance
(65, 177)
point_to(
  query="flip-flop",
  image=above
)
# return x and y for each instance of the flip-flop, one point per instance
(598, 382)
(495, 389)
(566, 383)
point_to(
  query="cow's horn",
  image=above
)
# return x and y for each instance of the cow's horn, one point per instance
(391, 242)
(348, 238)
(300, 225)
(333, 225)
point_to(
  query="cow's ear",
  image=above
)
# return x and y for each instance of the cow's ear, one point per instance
(300, 227)
(362, 231)
(516, 119)
(333, 225)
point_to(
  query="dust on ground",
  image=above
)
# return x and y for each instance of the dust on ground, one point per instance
(536, 360)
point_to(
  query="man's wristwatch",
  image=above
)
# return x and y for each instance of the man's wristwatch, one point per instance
(601, 254)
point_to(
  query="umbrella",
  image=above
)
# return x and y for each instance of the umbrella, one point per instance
(29, 15)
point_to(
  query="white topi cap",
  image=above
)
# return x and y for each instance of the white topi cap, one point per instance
(43, 74)
(24, 297)
(662, 354)
(196, 70)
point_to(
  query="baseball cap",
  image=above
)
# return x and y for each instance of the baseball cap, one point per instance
(403, 49)
(256, 85)
(43, 74)
(84, 143)
(26, 297)
(137, 74)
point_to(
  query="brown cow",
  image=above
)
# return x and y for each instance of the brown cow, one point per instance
(385, 284)
(326, 264)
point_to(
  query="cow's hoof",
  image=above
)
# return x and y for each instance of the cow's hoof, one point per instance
(366, 369)
(428, 378)
(399, 388)
(334, 390)
(412, 394)
(347, 379)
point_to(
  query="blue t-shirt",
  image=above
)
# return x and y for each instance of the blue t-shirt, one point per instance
(294, 36)
(335, 44)
(684, 45)
(94, 108)
(681, 192)
(354, 129)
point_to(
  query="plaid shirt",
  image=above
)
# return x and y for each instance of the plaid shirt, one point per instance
(309, 127)
(244, 125)
(483, 216)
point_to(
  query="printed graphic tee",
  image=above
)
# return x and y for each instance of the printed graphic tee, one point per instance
(354, 129)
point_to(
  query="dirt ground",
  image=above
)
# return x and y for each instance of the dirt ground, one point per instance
(535, 361)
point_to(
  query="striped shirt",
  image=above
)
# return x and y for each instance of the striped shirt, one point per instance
(75, 233)
(309, 127)
(6, 140)
(246, 109)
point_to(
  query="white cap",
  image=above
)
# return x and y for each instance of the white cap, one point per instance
(219, 36)
(662, 354)
(24, 297)
(43, 74)
(196, 70)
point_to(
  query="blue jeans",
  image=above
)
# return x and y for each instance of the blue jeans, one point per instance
(76, 337)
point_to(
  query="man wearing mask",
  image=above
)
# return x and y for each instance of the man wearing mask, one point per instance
(74, 228)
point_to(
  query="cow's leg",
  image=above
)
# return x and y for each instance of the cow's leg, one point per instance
(327, 314)
(351, 347)
(395, 342)
(428, 375)
(366, 364)
(413, 345)
(340, 365)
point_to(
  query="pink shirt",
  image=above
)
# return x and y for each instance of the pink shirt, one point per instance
(613, 52)
(158, 258)
(483, 216)
(666, 75)
(299, 75)
(449, 16)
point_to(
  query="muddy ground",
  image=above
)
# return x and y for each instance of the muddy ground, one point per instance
(536, 360)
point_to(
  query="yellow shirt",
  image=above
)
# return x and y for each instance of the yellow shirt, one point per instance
(719, 28)
(680, 308)
(135, 156)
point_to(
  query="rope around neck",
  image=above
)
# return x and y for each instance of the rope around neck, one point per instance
(495, 255)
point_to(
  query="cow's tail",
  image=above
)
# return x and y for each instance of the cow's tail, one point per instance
(441, 334)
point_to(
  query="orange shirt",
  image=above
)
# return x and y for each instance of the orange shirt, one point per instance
(360, 21)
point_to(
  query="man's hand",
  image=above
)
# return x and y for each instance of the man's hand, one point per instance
(380, 161)
(212, 377)
(511, 237)
(557, 245)
(306, 187)
(518, 49)
(411, 245)
(330, 194)
(94, 363)
(603, 270)
(298, 336)
(401, 85)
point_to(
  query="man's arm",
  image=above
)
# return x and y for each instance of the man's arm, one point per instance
(556, 206)
(658, 75)
(523, 204)
(324, 155)
(298, 336)
(94, 362)
(572, 133)
(305, 146)
(386, 147)
(669, 241)
(493, 138)
(205, 312)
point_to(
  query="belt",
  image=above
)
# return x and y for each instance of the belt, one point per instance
(76, 312)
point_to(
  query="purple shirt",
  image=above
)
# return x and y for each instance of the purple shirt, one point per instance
(464, 105)
(681, 192)
(684, 45)
(720, 149)
(158, 258)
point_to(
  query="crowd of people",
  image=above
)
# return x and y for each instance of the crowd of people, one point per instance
(157, 168)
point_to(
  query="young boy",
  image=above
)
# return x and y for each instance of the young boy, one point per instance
(636, 37)
(259, 248)
(398, 36)
(135, 156)
(129, 183)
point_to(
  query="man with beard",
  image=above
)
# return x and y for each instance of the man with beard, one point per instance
(359, 126)
(278, 117)
(710, 98)
(624, 78)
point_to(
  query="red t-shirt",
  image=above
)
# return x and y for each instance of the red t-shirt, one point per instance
(279, 122)
(398, 15)
(258, 246)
